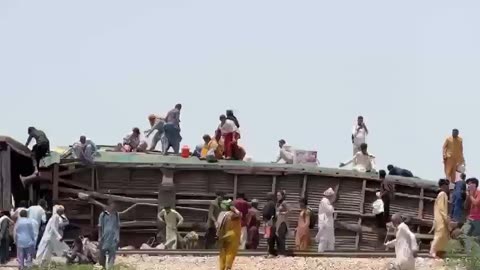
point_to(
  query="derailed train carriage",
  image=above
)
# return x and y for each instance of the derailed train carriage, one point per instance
(143, 183)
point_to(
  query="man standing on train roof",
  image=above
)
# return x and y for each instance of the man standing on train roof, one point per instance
(393, 170)
(156, 124)
(359, 134)
(172, 130)
(286, 152)
(453, 155)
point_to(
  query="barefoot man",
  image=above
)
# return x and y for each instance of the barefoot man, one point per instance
(40, 149)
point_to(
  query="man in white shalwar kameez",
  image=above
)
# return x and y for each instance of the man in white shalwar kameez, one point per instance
(405, 245)
(52, 240)
(326, 230)
(172, 219)
(359, 134)
(362, 160)
(38, 215)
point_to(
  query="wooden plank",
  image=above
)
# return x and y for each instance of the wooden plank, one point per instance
(420, 204)
(235, 186)
(398, 194)
(92, 207)
(361, 210)
(55, 178)
(5, 176)
(274, 184)
(304, 186)
(71, 171)
(74, 184)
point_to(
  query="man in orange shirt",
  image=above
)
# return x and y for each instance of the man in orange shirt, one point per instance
(453, 155)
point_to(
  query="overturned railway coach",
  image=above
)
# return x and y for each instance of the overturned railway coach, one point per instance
(142, 184)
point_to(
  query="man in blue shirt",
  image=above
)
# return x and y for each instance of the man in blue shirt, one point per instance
(108, 234)
(24, 237)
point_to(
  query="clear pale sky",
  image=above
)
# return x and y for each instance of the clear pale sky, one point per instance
(299, 70)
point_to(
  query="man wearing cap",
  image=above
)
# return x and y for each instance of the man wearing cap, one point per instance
(326, 229)
(286, 152)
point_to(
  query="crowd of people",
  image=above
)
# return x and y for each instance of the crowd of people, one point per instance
(235, 225)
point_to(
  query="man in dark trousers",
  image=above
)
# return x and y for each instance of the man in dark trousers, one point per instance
(269, 217)
(212, 223)
(41, 147)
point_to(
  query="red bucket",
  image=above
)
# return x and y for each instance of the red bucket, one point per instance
(185, 151)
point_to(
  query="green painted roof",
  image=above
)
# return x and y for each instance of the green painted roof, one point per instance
(108, 158)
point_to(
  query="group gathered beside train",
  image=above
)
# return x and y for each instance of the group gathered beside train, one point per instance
(34, 231)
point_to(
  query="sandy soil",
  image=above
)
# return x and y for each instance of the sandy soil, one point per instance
(259, 263)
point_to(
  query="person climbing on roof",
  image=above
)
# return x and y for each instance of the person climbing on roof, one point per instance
(359, 134)
(228, 130)
(362, 160)
(133, 143)
(286, 152)
(172, 130)
(157, 123)
(392, 170)
(453, 155)
(85, 150)
(41, 148)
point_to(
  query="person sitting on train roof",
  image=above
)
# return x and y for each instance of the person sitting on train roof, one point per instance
(133, 143)
(41, 148)
(172, 130)
(85, 149)
(156, 124)
(286, 152)
(393, 170)
(362, 160)
(211, 149)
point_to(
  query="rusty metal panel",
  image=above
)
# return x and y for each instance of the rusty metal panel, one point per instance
(112, 178)
(83, 178)
(316, 185)
(145, 179)
(349, 195)
(255, 187)
(407, 190)
(191, 181)
(344, 239)
(405, 206)
(428, 210)
(220, 181)
(292, 184)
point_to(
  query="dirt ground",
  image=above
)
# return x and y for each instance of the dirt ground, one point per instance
(139, 262)
(259, 263)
